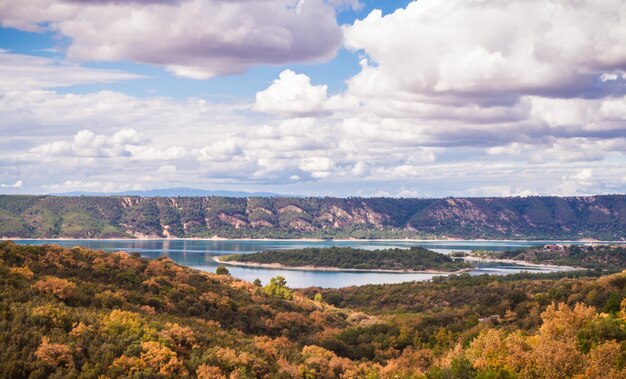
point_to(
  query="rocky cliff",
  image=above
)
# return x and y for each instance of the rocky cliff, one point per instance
(600, 217)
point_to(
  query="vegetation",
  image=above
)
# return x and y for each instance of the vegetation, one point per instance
(77, 313)
(414, 259)
(222, 270)
(600, 217)
(277, 288)
(604, 257)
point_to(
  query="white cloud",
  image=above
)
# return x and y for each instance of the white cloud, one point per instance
(17, 184)
(87, 144)
(23, 72)
(410, 122)
(485, 51)
(192, 38)
(293, 94)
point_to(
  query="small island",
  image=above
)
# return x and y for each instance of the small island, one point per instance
(415, 259)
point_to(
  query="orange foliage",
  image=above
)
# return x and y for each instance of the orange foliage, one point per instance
(209, 372)
(603, 360)
(54, 354)
(61, 288)
(180, 336)
(410, 362)
(154, 357)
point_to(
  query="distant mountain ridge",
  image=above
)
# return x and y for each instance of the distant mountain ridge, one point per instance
(171, 192)
(592, 217)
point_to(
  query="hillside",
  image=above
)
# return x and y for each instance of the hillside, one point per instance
(599, 217)
(413, 259)
(78, 313)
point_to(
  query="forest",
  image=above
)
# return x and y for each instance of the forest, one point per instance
(413, 259)
(78, 313)
(605, 257)
(535, 217)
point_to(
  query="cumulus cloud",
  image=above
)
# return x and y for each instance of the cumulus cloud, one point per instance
(489, 52)
(292, 93)
(87, 144)
(192, 38)
(452, 98)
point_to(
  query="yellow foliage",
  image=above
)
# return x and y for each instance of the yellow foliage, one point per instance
(79, 329)
(488, 350)
(154, 357)
(562, 322)
(53, 314)
(122, 322)
(24, 272)
(322, 363)
(622, 312)
(61, 288)
(555, 359)
(161, 358)
(602, 361)
(232, 358)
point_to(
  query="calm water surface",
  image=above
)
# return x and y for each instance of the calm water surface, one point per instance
(199, 254)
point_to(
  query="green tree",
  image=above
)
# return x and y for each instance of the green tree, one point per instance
(278, 288)
(318, 298)
(222, 270)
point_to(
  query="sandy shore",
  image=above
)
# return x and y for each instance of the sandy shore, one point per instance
(524, 263)
(321, 268)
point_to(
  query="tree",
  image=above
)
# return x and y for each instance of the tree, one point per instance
(278, 288)
(54, 354)
(222, 270)
(318, 298)
(257, 282)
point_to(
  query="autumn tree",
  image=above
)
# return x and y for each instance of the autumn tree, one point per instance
(54, 354)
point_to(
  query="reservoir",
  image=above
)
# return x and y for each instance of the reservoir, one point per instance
(199, 254)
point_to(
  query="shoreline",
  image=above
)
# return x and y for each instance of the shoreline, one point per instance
(334, 269)
(524, 263)
(215, 238)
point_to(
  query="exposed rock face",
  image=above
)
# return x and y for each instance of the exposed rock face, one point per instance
(290, 208)
(233, 221)
(600, 217)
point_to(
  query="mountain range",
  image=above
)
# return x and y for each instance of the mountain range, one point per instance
(591, 217)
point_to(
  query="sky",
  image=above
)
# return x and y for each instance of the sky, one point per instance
(426, 98)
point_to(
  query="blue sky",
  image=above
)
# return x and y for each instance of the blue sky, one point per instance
(158, 81)
(314, 97)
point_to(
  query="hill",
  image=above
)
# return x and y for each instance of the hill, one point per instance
(413, 259)
(599, 217)
(77, 313)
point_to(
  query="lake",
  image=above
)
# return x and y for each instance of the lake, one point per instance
(199, 254)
